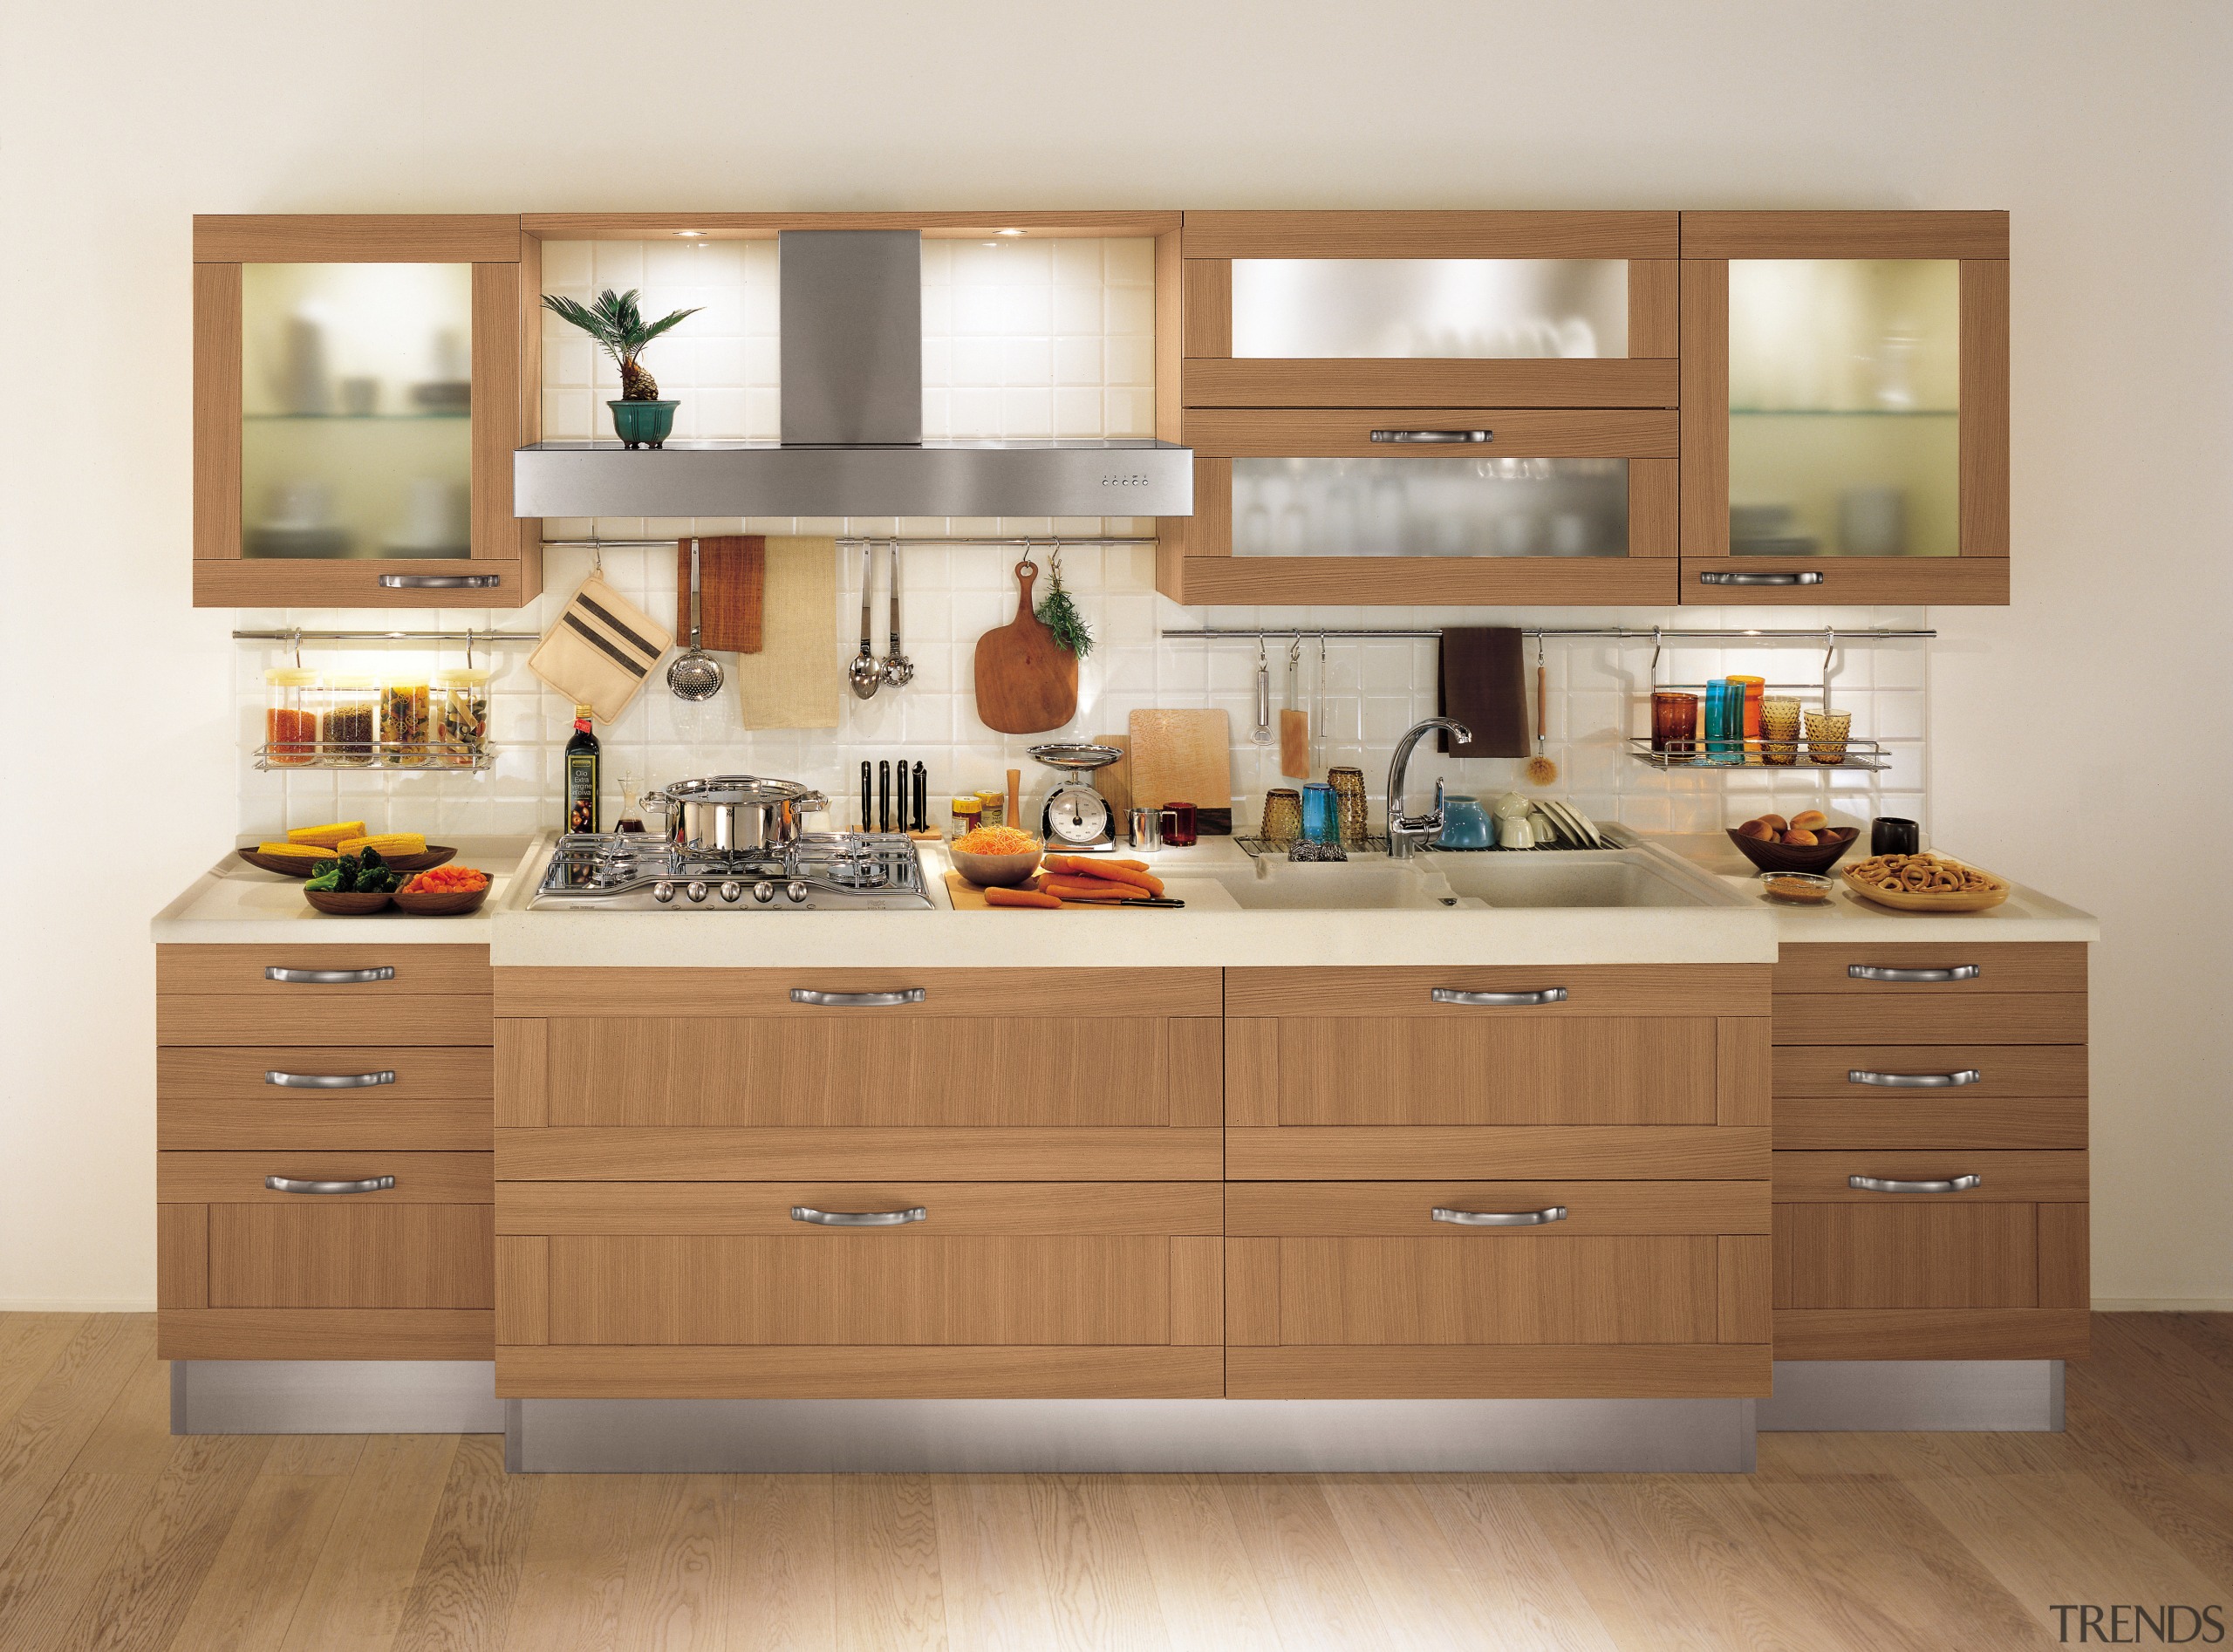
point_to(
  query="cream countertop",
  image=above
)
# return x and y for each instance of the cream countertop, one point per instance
(236, 903)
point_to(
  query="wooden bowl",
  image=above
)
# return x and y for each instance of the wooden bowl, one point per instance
(1908, 900)
(996, 871)
(442, 903)
(1797, 857)
(436, 855)
(353, 905)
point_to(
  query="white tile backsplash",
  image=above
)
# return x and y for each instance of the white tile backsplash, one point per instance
(1027, 339)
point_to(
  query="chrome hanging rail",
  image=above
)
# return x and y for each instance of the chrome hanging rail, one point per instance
(468, 638)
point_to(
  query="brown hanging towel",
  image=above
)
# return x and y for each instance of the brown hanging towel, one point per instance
(1484, 686)
(732, 586)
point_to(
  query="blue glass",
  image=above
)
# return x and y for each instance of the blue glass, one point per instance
(1464, 825)
(1719, 724)
(1321, 814)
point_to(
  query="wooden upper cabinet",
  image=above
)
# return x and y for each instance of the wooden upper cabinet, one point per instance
(360, 383)
(1435, 408)
(1845, 407)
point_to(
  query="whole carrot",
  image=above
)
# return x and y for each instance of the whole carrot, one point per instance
(1114, 872)
(1087, 888)
(1019, 898)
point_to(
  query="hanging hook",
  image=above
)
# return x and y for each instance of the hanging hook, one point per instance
(468, 648)
(1829, 656)
(1294, 650)
(298, 648)
(1653, 675)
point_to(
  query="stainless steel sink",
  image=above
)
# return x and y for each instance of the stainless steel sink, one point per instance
(1437, 882)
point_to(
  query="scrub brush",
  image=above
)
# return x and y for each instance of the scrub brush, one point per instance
(1541, 770)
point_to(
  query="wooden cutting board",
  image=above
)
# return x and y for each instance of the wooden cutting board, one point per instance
(732, 589)
(1183, 756)
(1027, 682)
(1114, 781)
(968, 897)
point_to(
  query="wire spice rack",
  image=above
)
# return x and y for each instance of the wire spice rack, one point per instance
(449, 757)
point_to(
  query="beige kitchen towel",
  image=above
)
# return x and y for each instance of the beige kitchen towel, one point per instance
(795, 679)
(601, 652)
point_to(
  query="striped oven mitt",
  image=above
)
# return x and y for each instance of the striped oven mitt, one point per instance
(601, 651)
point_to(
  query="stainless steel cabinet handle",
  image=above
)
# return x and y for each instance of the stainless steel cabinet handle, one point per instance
(327, 1081)
(1730, 576)
(1915, 1080)
(288, 1184)
(859, 1218)
(442, 582)
(1433, 438)
(856, 1000)
(1879, 1185)
(1880, 972)
(1500, 1218)
(329, 977)
(1499, 1000)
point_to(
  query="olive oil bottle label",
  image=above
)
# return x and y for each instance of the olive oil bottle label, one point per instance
(581, 791)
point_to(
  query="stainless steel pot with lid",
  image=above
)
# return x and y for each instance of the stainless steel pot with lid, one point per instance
(735, 814)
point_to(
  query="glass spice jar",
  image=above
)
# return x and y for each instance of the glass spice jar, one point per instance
(348, 715)
(965, 813)
(460, 731)
(289, 718)
(404, 722)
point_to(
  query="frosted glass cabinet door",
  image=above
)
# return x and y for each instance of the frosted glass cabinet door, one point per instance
(1430, 309)
(1426, 505)
(357, 393)
(1845, 407)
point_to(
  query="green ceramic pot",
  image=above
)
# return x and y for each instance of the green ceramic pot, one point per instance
(643, 424)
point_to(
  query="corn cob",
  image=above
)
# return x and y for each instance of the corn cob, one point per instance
(327, 837)
(304, 852)
(388, 844)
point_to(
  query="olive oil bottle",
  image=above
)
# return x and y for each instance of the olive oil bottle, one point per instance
(584, 775)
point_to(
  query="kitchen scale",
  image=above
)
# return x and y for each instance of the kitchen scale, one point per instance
(1076, 815)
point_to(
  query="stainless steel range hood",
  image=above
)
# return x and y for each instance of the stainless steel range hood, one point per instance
(852, 425)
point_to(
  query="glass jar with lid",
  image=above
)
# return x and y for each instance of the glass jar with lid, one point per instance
(348, 710)
(403, 724)
(460, 731)
(289, 718)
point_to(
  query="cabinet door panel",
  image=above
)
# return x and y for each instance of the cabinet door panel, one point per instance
(1907, 1256)
(796, 1073)
(337, 1254)
(1446, 1070)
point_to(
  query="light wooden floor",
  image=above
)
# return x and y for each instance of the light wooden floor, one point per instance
(115, 1534)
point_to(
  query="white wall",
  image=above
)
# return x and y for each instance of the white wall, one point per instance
(2095, 706)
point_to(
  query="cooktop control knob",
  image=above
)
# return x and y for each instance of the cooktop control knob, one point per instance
(662, 893)
(796, 893)
(763, 892)
(696, 891)
(732, 893)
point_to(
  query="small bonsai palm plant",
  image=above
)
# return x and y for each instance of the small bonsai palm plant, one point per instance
(617, 324)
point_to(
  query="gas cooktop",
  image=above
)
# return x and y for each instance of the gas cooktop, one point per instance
(817, 872)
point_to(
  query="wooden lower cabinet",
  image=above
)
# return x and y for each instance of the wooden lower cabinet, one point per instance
(1050, 1289)
(1926, 1083)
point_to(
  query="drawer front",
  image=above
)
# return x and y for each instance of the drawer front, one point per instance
(333, 1254)
(1921, 1255)
(1947, 1074)
(623, 1264)
(2000, 967)
(864, 1072)
(2001, 1177)
(1483, 1069)
(421, 1178)
(411, 971)
(1584, 990)
(413, 1074)
(1930, 1018)
(400, 1097)
(1911, 1119)
(323, 1017)
(978, 993)
(1406, 1210)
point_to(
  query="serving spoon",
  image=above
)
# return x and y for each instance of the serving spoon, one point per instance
(866, 671)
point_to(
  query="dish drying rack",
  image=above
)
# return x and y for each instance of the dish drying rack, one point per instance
(1687, 755)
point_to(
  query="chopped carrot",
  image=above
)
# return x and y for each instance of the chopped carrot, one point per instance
(1019, 898)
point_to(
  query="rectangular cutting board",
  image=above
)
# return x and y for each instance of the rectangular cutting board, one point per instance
(1182, 757)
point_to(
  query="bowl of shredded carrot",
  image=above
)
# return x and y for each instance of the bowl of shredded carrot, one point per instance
(996, 856)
